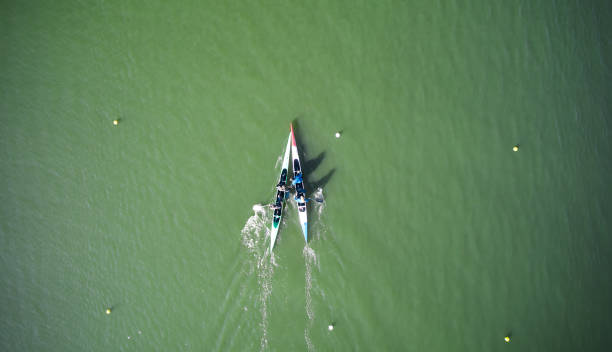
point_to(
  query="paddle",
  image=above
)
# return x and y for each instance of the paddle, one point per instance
(318, 200)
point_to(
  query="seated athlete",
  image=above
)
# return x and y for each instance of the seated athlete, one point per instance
(299, 197)
(297, 179)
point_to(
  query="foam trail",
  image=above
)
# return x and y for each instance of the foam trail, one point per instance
(254, 237)
(310, 259)
(311, 262)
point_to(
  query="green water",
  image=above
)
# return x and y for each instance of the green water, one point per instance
(434, 235)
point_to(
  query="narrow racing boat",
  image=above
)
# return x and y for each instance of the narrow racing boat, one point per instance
(300, 191)
(281, 190)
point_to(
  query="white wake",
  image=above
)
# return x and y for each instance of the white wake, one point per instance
(254, 236)
(310, 260)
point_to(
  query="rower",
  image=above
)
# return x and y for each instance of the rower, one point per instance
(297, 179)
(301, 199)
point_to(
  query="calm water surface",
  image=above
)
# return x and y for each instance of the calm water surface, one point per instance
(434, 235)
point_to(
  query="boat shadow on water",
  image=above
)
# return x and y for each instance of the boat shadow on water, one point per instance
(310, 165)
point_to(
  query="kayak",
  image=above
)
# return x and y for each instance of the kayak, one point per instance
(300, 191)
(280, 195)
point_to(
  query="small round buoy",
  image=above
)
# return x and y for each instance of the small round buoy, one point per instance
(337, 134)
(507, 339)
(515, 148)
(330, 327)
(115, 122)
(108, 310)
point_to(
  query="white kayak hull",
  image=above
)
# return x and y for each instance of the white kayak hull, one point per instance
(279, 200)
(300, 190)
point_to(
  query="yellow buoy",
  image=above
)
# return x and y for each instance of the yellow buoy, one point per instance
(115, 122)
(108, 310)
(515, 148)
(507, 338)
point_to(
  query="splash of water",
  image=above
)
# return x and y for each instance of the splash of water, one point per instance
(310, 259)
(320, 201)
(311, 262)
(254, 237)
(252, 231)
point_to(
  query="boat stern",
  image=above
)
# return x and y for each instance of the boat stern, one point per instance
(305, 230)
